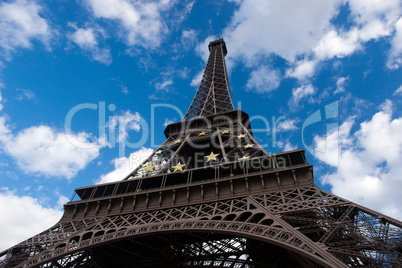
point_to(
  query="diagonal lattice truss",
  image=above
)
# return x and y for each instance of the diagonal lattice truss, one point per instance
(213, 94)
(331, 232)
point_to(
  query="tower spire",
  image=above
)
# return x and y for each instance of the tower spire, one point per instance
(213, 94)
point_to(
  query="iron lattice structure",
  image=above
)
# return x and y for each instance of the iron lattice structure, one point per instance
(210, 196)
(213, 93)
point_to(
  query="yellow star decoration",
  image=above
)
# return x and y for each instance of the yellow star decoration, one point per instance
(212, 156)
(159, 152)
(178, 167)
(244, 157)
(177, 141)
(248, 145)
(225, 131)
(146, 164)
(150, 168)
(202, 133)
(241, 136)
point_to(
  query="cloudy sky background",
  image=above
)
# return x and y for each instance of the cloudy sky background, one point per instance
(124, 62)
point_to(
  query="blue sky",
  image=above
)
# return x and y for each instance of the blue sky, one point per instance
(320, 75)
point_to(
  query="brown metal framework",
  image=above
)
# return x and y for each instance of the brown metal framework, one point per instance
(213, 93)
(210, 196)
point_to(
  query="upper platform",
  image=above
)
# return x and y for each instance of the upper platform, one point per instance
(207, 122)
(218, 43)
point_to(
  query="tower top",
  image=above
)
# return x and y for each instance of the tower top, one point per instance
(216, 43)
(213, 94)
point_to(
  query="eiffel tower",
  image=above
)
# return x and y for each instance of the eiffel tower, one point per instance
(211, 196)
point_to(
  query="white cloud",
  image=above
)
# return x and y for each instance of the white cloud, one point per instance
(180, 15)
(126, 122)
(5, 131)
(122, 85)
(375, 18)
(1, 97)
(25, 94)
(169, 121)
(398, 91)
(301, 92)
(62, 201)
(334, 44)
(289, 147)
(44, 150)
(302, 69)
(20, 24)
(327, 147)
(369, 161)
(22, 217)
(202, 49)
(263, 80)
(87, 40)
(189, 34)
(373, 30)
(195, 82)
(302, 33)
(287, 125)
(140, 22)
(286, 28)
(372, 19)
(164, 85)
(123, 166)
(188, 38)
(286, 146)
(183, 73)
(395, 55)
(340, 84)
